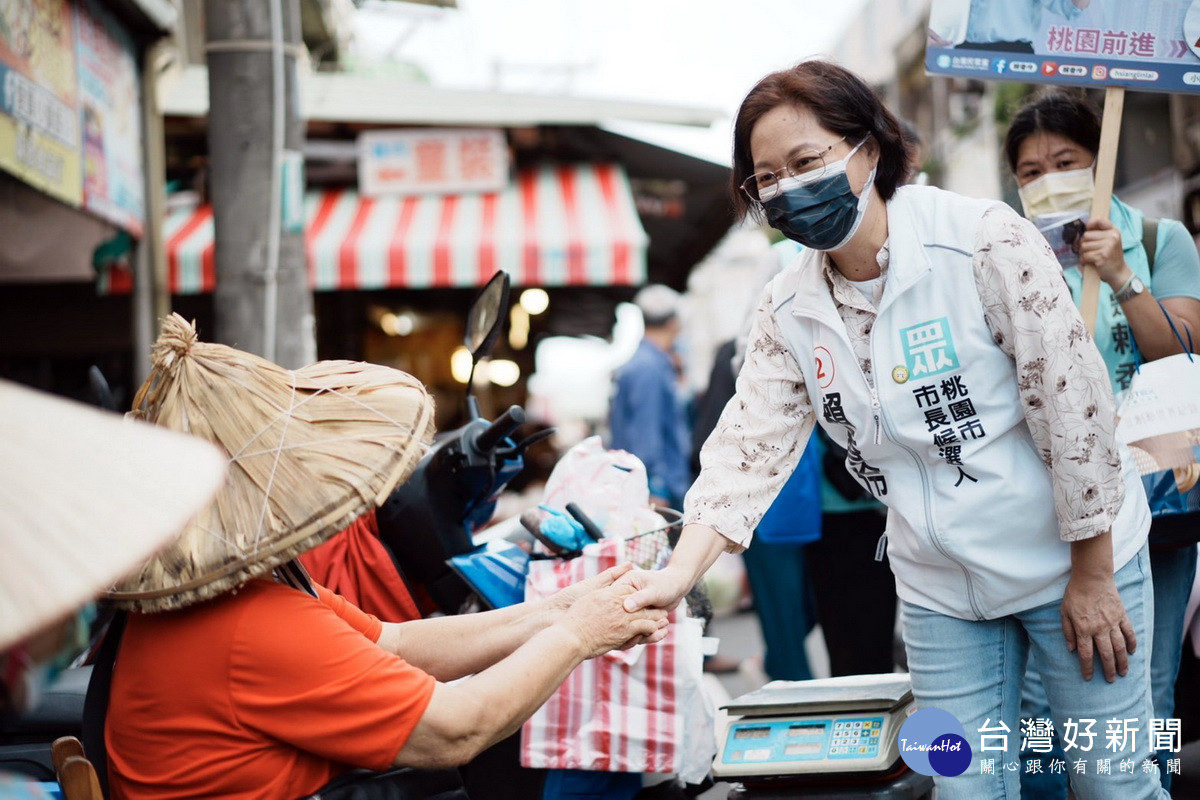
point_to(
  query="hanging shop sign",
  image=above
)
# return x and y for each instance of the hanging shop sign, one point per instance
(70, 107)
(110, 103)
(1149, 47)
(431, 161)
(39, 111)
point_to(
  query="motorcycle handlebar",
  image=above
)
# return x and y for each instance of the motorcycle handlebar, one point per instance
(494, 433)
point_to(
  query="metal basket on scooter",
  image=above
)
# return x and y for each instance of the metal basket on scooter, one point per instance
(652, 549)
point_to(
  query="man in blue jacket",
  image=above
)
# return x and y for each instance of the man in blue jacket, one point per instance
(647, 416)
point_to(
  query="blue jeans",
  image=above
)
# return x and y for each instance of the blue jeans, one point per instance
(1173, 572)
(974, 670)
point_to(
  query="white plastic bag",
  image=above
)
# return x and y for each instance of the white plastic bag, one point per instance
(609, 485)
(699, 720)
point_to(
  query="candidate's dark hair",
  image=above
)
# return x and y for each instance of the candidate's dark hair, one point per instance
(1069, 115)
(843, 104)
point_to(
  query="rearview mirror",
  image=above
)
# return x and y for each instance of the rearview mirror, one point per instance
(486, 315)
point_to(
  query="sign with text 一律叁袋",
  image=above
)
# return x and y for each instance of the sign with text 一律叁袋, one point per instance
(1151, 47)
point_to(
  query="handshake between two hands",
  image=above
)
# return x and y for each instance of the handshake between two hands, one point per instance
(618, 609)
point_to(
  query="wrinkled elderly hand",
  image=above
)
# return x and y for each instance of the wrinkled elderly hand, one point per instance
(599, 620)
(564, 598)
(1095, 624)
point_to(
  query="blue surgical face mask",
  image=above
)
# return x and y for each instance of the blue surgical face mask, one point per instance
(822, 212)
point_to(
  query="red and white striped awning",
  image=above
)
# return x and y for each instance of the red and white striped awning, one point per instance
(565, 225)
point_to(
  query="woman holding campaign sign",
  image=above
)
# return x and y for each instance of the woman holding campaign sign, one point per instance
(932, 337)
(1150, 281)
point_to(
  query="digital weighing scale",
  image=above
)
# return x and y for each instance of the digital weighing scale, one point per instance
(831, 729)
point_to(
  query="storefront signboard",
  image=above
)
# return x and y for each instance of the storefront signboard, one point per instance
(110, 110)
(431, 161)
(1148, 47)
(39, 111)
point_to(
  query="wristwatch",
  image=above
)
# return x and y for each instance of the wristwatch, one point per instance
(1132, 288)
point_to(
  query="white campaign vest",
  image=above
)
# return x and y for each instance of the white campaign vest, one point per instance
(941, 437)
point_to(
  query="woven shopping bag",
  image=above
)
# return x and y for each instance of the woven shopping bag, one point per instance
(624, 711)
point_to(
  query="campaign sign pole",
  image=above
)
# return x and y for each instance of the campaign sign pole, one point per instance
(1106, 166)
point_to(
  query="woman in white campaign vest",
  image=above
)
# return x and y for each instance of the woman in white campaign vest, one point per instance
(932, 336)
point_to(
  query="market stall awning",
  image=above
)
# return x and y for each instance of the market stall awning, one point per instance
(556, 225)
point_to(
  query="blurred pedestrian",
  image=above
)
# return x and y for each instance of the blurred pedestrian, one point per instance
(918, 175)
(1051, 149)
(859, 626)
(647, 416)
(931, 336)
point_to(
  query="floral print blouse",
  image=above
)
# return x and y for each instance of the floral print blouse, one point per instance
(1064, 387)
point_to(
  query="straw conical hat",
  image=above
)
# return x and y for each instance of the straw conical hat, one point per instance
(309, 451)
(85, 497)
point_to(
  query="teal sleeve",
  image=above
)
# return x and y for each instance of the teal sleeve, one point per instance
(1176, 270)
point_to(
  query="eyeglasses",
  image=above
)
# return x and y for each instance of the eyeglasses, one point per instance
(762, 186)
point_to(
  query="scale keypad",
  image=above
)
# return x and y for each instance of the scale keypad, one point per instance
(855, 738)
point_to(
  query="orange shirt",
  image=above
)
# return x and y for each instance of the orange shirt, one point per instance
(264, 693)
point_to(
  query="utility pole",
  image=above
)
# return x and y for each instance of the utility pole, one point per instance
(255, 136)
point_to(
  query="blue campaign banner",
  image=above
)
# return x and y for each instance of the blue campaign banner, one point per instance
(1146, 46)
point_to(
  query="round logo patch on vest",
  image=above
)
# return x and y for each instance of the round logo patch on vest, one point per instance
(900, 374)
(825, 367)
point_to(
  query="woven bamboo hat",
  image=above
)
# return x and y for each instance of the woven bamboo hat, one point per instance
(309, 451)
(85, 497)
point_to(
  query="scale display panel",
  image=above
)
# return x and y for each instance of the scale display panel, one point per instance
(776, 741)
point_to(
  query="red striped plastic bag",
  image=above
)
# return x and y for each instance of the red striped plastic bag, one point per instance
(619, 712)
